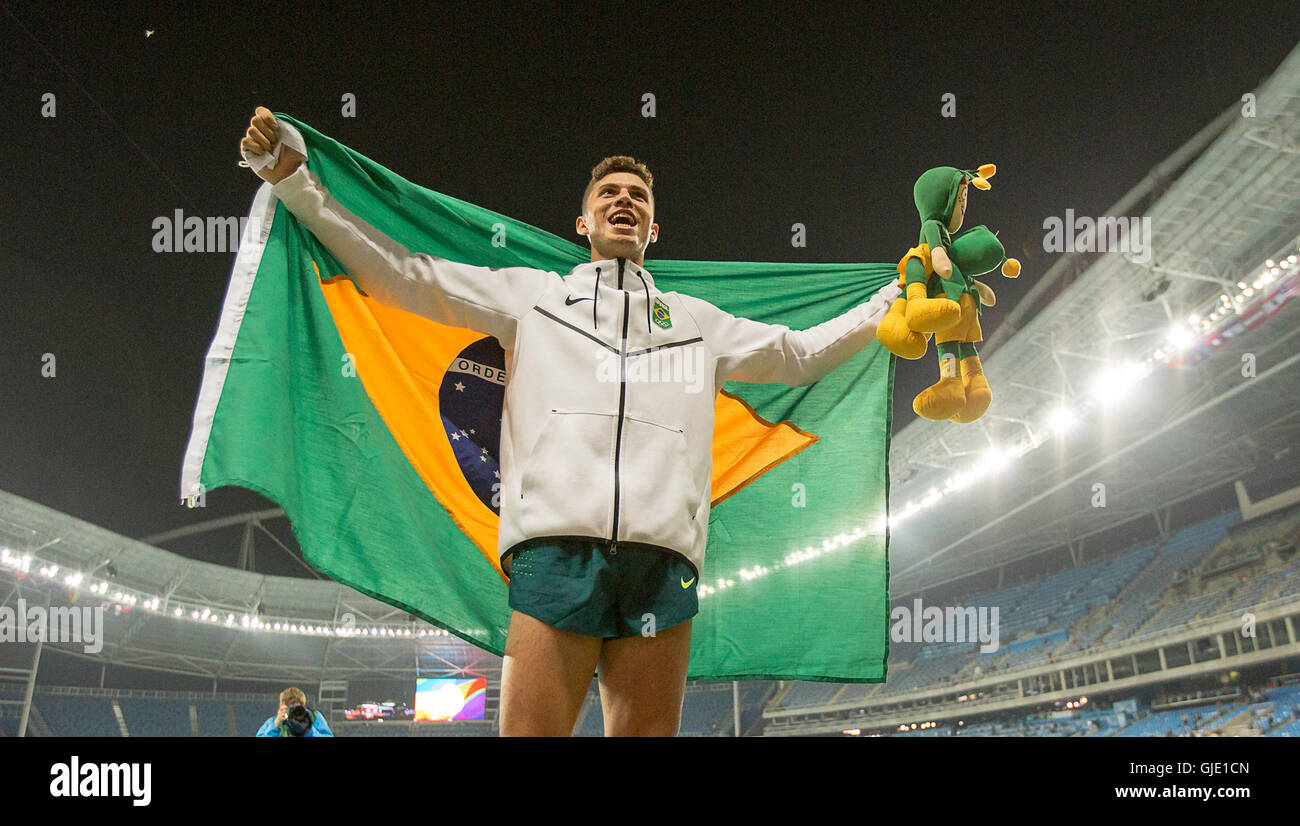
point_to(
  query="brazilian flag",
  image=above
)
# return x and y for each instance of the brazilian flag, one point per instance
(377, 432)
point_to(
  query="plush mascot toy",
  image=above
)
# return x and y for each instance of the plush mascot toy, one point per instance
(942, 297)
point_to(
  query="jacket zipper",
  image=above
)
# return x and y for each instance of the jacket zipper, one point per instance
(622, 405)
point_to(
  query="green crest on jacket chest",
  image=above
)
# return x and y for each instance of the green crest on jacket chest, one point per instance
(661, 315)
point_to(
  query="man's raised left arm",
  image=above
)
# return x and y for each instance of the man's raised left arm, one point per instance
(750, 350)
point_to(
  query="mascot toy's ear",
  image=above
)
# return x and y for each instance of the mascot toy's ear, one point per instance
(980, 177)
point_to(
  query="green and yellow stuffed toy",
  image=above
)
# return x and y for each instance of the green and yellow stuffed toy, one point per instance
(941, 296)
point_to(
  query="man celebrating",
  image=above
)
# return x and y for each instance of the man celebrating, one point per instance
(605, 477)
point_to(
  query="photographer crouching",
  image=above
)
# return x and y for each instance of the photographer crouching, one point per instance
(295, 719)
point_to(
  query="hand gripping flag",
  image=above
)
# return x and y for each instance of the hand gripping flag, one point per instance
(377, 432)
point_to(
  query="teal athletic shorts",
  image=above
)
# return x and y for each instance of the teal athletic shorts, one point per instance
(582, 586)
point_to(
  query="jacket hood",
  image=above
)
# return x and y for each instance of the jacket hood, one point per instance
(616, 274)
(607, 271)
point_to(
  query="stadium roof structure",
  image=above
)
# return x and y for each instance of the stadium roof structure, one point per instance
(1224, 217)
(170, 613)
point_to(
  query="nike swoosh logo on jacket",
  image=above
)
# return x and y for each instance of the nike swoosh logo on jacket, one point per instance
(597, 440)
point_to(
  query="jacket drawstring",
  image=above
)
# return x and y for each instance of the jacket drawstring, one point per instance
(595, 296)
(647, 305)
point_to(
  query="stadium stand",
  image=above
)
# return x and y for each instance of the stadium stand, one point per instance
(71, 716)
(1215, 568)
(1109, 601)
(151, 717)
(1210, 571)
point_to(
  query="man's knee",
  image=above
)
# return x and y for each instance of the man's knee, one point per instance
(642, 717)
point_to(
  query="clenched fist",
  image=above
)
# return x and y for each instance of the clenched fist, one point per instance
(261, 136)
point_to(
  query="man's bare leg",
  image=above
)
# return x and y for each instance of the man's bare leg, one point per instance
(544, 678)
(642, 682)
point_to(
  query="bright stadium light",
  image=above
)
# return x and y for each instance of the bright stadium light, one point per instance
(994, 460)
(1180, 336)
(1062, 419)
(1110, 383)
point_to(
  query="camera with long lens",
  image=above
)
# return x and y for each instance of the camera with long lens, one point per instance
(298, 720)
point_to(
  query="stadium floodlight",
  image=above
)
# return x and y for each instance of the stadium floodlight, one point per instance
(1179, 336)
(1113, 383)
(1062, 419)
(994, 459)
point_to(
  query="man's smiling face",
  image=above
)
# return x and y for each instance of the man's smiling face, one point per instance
(618, 217)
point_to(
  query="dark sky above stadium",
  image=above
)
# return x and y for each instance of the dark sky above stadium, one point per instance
(764, 118)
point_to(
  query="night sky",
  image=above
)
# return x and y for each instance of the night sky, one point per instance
(764, 119)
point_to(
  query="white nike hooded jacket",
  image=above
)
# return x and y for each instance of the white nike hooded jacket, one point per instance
(593, 445)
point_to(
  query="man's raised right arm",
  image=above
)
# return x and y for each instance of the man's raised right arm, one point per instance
(459, 295)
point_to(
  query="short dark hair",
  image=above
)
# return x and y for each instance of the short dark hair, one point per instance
(618, 163)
